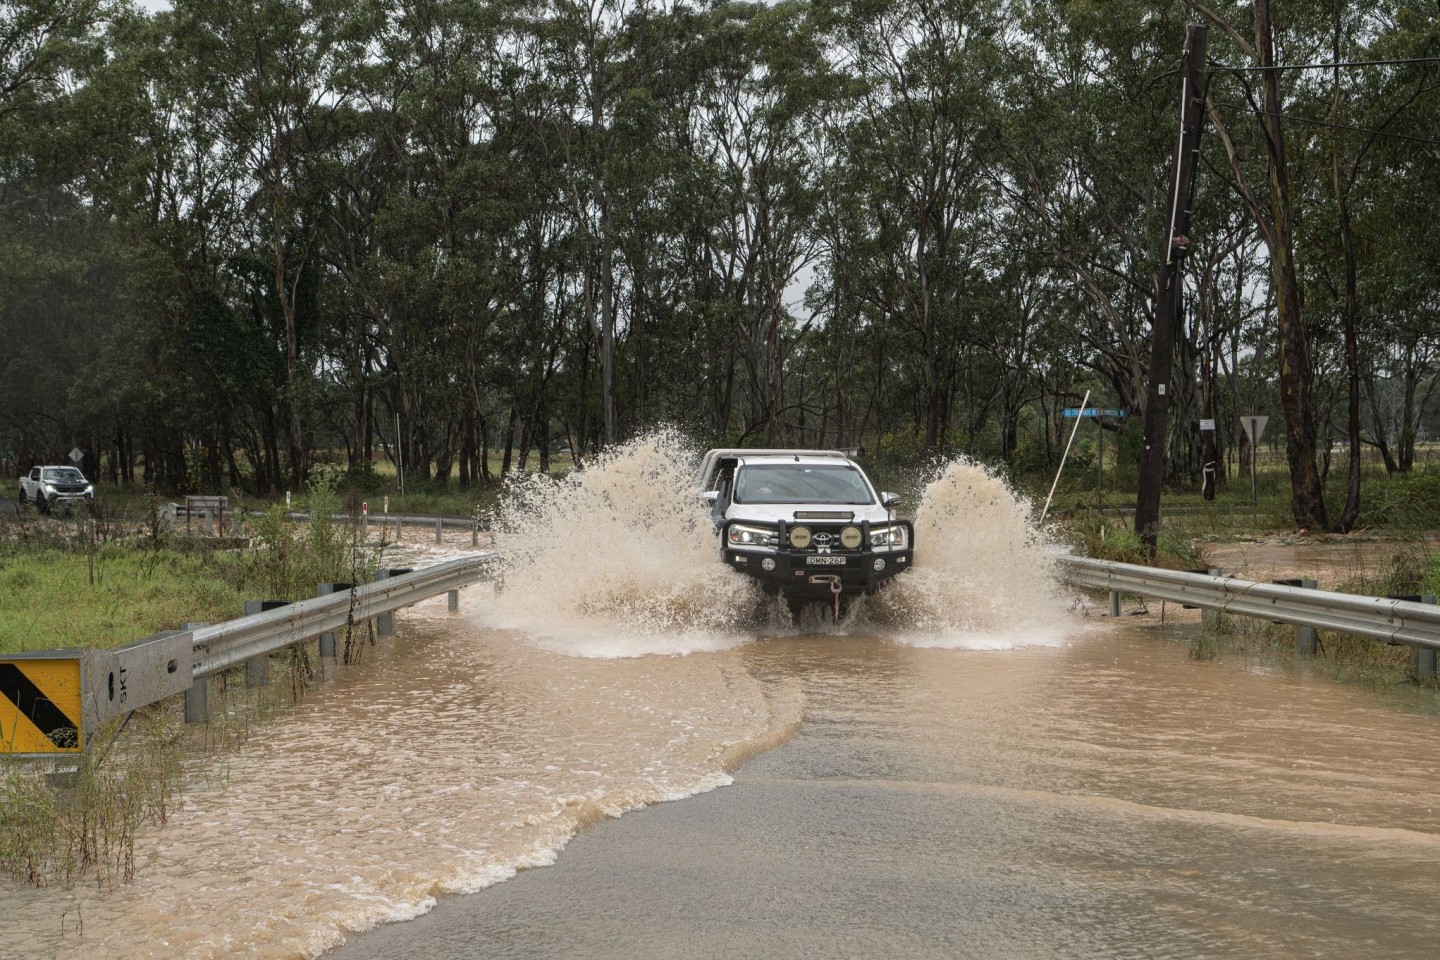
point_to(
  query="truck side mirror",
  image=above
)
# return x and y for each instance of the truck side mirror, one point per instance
(710, 497)
(890, 500)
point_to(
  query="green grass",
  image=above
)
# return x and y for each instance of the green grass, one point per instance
(106, 584)
(63, 598)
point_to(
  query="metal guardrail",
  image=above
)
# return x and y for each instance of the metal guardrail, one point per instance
(408, 519)
(224, 645)
(1395, 621)
(56, 699)
(385, 520)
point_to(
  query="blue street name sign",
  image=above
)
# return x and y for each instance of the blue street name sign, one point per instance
(1070, 413)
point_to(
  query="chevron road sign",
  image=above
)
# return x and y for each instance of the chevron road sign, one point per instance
(52, 702)
(41, 703)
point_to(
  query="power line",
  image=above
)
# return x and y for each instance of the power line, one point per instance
(1221, 68)
(1325, 123)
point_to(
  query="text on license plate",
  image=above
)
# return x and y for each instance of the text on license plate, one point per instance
(824, 561)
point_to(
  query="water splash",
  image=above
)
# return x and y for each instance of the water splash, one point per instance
(984, 575)
(619, 559)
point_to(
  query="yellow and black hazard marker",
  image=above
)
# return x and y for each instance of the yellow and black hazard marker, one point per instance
(40, 706)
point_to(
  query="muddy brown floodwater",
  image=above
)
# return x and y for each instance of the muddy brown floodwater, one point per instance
(1102, 797)
(1106, 798)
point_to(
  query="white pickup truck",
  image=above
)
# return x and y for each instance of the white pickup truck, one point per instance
(807, 524)
(55, 486)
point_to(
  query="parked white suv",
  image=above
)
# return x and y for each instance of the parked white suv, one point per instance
(55, 486)
(808, 524)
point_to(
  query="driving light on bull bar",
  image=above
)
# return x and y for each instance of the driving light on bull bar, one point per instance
(767, 564)
(879, 564)
(850, 538)
(800, 538)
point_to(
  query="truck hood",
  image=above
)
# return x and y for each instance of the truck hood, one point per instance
(776, 512)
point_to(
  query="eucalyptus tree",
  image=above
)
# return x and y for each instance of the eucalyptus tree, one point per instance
(754, 124)
(1275, 215)
(432, 93)
(1086, 150)
(925, 75)
(50, 260)
(265, 75)
(1360, 279)
(589, 47)
(43, 45)
(183, 376)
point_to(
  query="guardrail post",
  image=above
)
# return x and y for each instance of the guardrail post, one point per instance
(1306, 641)
(385, 622)
(474, 533)
(397, 530)
(1208, 616)
(1422, 659)
(209, 523)
(257, 669)
(439, 530)
(197, 698)
(1114, 603)
(453, 599)
(327, 640)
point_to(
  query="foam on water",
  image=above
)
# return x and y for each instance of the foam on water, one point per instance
(619, 560)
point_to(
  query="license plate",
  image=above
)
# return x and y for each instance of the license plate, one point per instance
(824, 561)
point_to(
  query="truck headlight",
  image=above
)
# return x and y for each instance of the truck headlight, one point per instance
(887, 536)
(742, 535)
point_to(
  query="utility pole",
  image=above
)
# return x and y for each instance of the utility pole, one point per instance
(1169, 284)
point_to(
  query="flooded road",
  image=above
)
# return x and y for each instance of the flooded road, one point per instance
(962, 769)
(1104, 797)
(1110, 798)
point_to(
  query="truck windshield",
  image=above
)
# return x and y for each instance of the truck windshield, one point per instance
(63, 474)
(801, 483)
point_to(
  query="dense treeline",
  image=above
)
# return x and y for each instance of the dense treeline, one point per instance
(240, 237)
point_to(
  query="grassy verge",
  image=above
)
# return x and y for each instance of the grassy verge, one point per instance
(88, 582)
(111, 596)
(79, 582)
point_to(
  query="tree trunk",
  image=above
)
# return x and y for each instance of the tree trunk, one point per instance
(292, 348)
(1381, 433)
(1351, 513)
(1406, 440)
(1307, 501)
